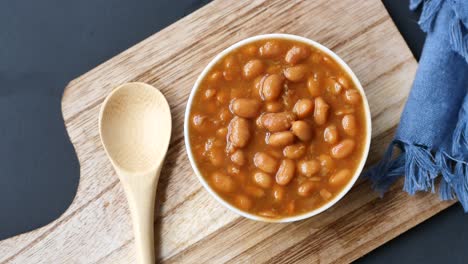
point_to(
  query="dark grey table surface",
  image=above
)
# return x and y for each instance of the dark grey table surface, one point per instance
(44, 44)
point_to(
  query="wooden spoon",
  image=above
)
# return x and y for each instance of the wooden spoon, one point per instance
(135, 128)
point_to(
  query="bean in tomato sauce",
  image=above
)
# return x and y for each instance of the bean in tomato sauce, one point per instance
(277, 128)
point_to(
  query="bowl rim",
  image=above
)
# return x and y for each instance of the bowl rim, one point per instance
(343, 65)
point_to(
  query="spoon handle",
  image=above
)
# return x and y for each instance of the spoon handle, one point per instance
(141, 194)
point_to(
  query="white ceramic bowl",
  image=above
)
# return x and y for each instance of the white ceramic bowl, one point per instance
(343, 66)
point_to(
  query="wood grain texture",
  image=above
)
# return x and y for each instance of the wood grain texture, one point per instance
(191, 227)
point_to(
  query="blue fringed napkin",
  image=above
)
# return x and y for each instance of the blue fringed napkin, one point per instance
(433, 131)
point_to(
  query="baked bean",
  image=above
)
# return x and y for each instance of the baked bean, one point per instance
(307, 188)
(257, 87)
(215, 76)
(265, 162)
(276, 122)
(263, 180)
(326, 195)
(239, 133)
(273, 107)
(243, 202)
(230, 148)
(334, 87)
(340, 178)
(342, 149)
(270, 49)
(308, 167)
(285, 172)
(291, 116)
(280, 139)
(222, 96)
(330, 134)
(303, 107)
(352, 96)
(231, 63)
(244, 107)
(326, 162)
(254, 191)
(327, 60)
(200, 123)
(294, 151)
(268, 213)
(302, 130)
(296, 54)
(231, 68)
(253, 68)
(210, 93)
(278, 192)
(349, 125)
(272, 87)
(216, 156)
(232, 170)
(300, 179)
(291, 207)
(315, 179)
(198, 120)
(250, 50)
(346, 110)
(259, 121)
(313, 86)
(229, 75)
(224, 115)
(321, 111)
(238, 157)
(209, 144)
(222, 182)
(222, 132)
(343, 81)
(316, 58)
(295, 73)
(289, 98)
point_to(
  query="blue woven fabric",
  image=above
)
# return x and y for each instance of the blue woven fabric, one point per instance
(433, 132)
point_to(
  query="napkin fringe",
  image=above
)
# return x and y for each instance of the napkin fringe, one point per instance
(430, 9)
(429, 12)
(415, 162)
(458, 40)
(392, 169)
(454, 182)
(460, 134)
(420, 168)
(414, 4)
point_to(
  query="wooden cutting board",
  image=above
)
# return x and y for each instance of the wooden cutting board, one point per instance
(191, 226)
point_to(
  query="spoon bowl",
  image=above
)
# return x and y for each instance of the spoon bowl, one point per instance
(135, 129)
